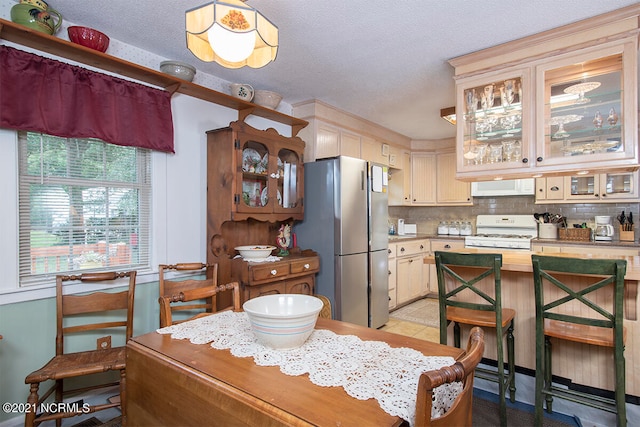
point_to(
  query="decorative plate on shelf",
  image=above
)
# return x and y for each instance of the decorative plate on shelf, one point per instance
(264, 198)
(262, 166)
(250, 160)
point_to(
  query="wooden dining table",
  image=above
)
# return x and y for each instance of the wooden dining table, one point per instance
(174, 382)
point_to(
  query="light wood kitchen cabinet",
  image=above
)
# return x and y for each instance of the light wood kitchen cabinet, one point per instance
(442, 245)
(400, 181)
(423, 178)
(450, 191)
(330, 141)
(333, 132)
(598, 188)
(568, 95)
(433, 181)
(411, 279)
(550, 189)
(393, 301)
(375, 151)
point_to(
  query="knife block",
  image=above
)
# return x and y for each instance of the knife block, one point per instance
(627, 235)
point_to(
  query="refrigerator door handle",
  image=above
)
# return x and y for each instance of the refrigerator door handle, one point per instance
(362, 180)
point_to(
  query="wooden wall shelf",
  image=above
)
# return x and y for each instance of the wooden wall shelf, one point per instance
(24, 36)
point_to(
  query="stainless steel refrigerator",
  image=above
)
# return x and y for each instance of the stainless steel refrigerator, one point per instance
(346, 223)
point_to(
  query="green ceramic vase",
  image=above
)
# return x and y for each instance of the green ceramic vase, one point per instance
(37, 15)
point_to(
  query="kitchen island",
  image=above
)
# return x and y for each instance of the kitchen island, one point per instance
(518, 293)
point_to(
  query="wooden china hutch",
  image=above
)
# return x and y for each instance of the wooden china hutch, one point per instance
(255, 183)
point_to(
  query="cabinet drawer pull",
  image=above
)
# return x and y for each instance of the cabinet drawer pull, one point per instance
(421, 247)
(410, 261)
(306, 266)
(274, 272)
(401, 249)
(447, 246)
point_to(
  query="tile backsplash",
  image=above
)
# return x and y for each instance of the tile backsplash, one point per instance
(427, 218)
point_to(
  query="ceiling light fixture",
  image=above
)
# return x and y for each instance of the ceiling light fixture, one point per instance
(232, 34)
(449, 114)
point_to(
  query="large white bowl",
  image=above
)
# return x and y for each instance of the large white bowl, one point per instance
(255, 251)
(178, 69)
(266, 98)
(283, 321)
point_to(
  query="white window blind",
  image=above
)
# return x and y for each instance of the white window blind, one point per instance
(84, 205)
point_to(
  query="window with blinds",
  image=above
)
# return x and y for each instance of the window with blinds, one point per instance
(84, 205)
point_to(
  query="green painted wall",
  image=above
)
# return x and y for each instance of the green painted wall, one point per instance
(29, 331)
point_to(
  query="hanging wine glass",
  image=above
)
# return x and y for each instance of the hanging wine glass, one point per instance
(507, 93)
(488, 97)
(471, 101)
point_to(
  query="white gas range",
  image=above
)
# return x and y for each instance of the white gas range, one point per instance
(503, 231)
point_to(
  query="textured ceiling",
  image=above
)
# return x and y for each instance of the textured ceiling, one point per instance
(383, 61)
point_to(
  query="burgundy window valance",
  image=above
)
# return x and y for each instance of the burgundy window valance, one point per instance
(44, 95)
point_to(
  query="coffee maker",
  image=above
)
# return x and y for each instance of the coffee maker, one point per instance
(604, 229)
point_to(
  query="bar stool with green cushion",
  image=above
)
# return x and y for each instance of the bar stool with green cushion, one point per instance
(463, 301)
(591, 323)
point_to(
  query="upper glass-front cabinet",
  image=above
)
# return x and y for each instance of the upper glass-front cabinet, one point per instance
(585, 114)
(269, 183)
(493, 127)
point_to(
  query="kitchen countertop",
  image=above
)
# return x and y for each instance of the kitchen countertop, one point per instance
(520, 261)
(603, 243)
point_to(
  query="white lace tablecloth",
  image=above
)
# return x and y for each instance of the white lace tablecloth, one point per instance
(364, 369)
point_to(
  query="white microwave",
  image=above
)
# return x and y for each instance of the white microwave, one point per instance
(507, 187)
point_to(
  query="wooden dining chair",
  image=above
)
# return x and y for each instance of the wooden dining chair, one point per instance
(325, 312)
(189, 276)
(76, 315)
(590, 313)
(167, 302)
(469, 291)
(463, 370)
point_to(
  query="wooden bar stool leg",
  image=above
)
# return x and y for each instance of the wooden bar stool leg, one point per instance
(501, 380)
(540, 375)
(548, 375)
(511, 359)
(621, 415)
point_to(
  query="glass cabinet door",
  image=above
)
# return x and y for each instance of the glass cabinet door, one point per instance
(619, 185)
(583, 187)
(288, 179)
(493, 122)
(582, 116)
(254, 177)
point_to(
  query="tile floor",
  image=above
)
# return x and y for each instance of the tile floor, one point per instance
(412, 329)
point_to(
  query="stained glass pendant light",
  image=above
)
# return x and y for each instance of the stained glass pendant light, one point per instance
(232, 34)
